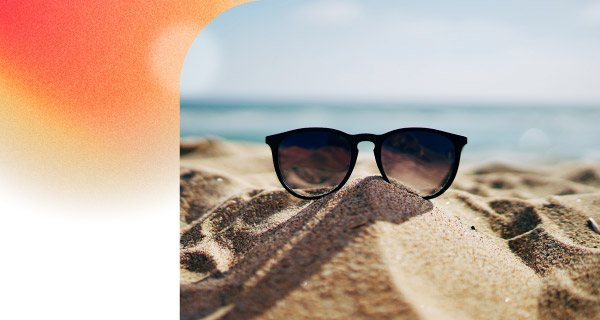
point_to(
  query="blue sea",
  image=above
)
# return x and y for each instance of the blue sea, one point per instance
(495, 132)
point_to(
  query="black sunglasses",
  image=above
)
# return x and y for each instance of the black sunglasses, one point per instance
(313, 162)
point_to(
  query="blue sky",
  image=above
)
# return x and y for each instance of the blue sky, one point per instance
(440, 51)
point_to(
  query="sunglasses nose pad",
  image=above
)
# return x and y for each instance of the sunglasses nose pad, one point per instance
(365, 162)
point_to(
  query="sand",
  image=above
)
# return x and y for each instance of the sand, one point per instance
(504, 242)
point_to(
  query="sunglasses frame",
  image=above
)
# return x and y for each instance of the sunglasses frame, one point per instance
(353, 139)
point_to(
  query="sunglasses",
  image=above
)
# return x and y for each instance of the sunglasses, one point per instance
(313, 162)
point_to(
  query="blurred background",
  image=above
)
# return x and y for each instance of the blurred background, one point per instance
(521, 79)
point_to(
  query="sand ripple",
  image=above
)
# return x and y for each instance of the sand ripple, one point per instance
(504, 243)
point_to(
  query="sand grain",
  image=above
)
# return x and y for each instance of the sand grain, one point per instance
(502, 243)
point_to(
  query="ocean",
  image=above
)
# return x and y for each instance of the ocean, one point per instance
(495, 132)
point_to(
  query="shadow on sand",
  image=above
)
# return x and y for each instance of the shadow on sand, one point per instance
(272, 263)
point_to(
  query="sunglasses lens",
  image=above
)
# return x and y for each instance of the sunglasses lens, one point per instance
(313, 163)
(422, 160)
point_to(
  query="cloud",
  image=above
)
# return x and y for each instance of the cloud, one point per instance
(330, 12)
(591, 13)
(201, 66)
(400, 53)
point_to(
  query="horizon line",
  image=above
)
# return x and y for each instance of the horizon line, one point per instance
(343, 103)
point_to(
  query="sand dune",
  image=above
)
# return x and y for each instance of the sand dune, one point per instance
(505, 242)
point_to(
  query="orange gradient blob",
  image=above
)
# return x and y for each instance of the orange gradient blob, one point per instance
(89, 96)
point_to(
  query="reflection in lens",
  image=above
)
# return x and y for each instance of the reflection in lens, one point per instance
(314, 163)
(422, 160)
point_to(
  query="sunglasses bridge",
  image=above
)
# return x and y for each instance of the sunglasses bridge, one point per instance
(357, 138)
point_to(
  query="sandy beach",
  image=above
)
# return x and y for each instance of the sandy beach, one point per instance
(505, 241)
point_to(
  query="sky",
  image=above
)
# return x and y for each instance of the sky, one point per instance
(545, 52)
